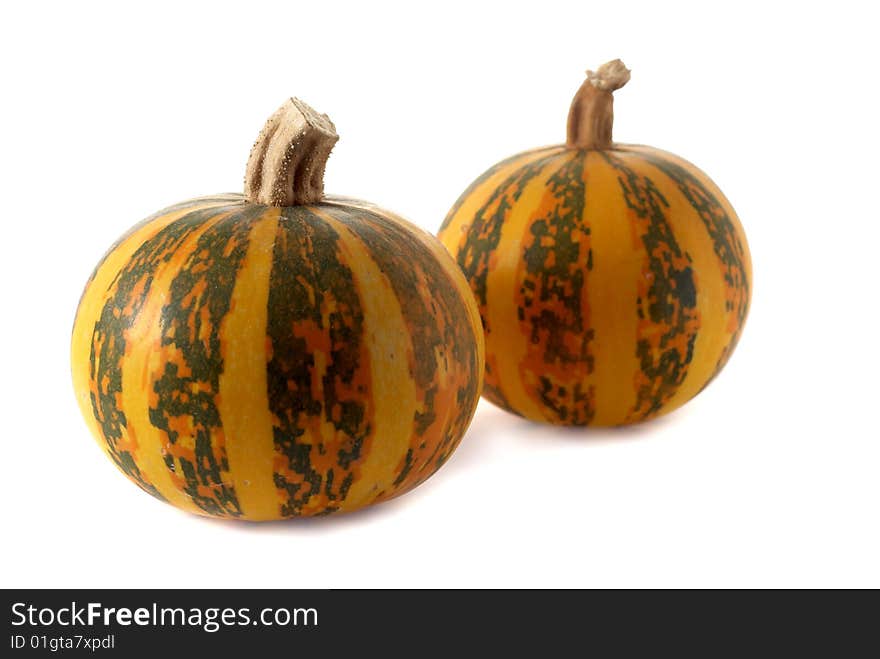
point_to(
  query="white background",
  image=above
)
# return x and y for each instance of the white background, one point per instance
(771, 477)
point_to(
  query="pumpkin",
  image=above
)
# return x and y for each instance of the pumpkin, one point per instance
(279, 353)
(613, 280)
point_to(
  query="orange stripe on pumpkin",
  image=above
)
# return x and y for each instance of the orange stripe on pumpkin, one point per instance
(444, 354)
(243, 400)
(389, 344)
(612, 287)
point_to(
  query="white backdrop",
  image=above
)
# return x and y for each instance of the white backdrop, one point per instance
(768, 478)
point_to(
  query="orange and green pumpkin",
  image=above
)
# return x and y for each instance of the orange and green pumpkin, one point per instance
(613, 280)
(279, 353)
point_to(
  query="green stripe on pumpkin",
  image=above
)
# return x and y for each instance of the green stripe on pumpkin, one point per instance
(553, 292)
(187, 380)
(483, 236)
(725, 242)
(315, 314)
(201, 202)
(667, 302)
(126, 296)
(434, 312)
(485, 176)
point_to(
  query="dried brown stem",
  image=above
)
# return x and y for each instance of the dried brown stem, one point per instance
(591, 116)
(286, 165)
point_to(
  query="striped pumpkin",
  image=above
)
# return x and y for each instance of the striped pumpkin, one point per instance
(256, 361)
(613, 281)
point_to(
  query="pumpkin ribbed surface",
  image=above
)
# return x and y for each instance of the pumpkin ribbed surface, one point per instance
(612, 283)
(262, 362)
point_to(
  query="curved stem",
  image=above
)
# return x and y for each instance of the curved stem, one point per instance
(591, 117)
(286, 165)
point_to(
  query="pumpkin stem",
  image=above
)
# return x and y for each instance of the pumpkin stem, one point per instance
(286, 165)
(592, 111)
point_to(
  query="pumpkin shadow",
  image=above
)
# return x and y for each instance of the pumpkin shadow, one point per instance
(491, 433)
(494, 430)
